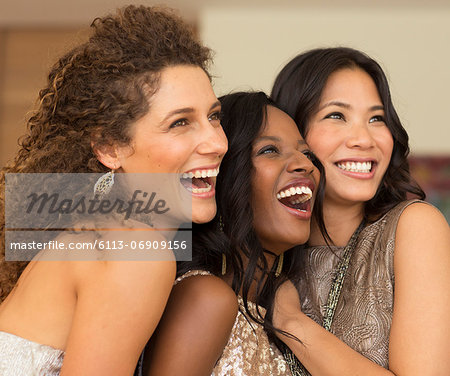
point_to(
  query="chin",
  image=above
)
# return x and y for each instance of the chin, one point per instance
(203, 213)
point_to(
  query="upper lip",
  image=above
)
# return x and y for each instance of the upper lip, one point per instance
(356, 159)
(299, 182)
(210, 167)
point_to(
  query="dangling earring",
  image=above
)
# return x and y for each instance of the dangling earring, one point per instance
(220, 223)
(224, 264)
(104, 184)
(224, 258)
(280, 265)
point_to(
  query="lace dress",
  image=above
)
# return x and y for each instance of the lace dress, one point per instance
(21, 357)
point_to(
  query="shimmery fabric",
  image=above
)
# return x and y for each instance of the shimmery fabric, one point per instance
(248, 351)
(21, 357)
(364, 312)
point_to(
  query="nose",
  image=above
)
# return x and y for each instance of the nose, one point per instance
(299, 162)
(360, 137)
(212, 140)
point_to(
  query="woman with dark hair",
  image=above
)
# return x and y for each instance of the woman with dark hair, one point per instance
(265, 192)
(135, 98)
(382, 288)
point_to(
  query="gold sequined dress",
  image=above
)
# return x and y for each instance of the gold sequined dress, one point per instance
(364, 312)
(248, 351)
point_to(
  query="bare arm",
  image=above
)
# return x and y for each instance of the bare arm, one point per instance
(118, 307)
(420, 331)
(194, 329)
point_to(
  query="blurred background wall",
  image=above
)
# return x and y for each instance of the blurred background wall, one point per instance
(253, 39)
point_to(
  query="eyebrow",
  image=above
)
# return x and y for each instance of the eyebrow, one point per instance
(347, 106)
(187, 110)
(276, 139)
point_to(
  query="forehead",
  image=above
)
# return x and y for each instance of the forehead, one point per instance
(183, 86)
(280, 124)
(353, 82)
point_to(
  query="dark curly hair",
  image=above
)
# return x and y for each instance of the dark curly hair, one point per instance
(298, 88)
(232, 232)
(94, 93)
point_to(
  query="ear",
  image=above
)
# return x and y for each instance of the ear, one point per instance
(106, 154)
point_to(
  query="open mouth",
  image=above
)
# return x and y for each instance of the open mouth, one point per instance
(296, 197)
(361, 167)
(199, 181)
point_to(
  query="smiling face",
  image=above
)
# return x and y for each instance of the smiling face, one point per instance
(181, 133)
(350, 137)
(283, 184)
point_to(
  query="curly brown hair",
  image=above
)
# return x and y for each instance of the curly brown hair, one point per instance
(94, 93)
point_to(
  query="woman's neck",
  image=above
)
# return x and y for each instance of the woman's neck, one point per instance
(341, 221)
(252, 292)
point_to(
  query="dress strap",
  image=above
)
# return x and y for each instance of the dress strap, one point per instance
(191, 273)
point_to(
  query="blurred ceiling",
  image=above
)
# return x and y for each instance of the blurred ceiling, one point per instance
(49, 13)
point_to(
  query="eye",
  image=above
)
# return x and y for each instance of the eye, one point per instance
(216, 116)
(378, 118)
(268, 149)
(179, 123)
(335, 116)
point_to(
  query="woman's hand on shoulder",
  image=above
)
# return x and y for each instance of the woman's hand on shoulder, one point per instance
(420, 332)
(119, 304)
(194, 329)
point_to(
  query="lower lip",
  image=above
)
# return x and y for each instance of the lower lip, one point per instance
(203, 195)
(358, 175)
(299, 214)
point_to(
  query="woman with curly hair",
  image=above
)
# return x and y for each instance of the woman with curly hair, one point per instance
(135, 98)
(377, 302)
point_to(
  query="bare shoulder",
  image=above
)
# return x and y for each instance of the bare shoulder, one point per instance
(208, 294)
(422, 212)
(421, 224)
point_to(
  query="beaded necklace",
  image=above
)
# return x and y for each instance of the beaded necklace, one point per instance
(296, 367)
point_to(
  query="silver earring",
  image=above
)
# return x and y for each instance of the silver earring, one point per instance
(104, 184)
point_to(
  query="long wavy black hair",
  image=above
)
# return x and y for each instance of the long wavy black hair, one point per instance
(297, 91)
(231, 232)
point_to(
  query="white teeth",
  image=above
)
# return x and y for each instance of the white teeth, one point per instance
(201, 174)
(304, 192)
(364, 167)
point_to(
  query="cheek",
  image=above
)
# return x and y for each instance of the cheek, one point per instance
(386, 143)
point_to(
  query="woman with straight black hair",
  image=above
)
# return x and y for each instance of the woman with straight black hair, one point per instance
(265, 193)
(382, 288)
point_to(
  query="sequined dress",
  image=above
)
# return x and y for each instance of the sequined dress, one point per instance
(364, 312)
(21, 357)
(248, 351)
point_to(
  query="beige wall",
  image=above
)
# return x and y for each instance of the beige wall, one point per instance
(252, 44)
(412, 45)
(26, 56)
